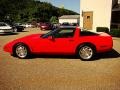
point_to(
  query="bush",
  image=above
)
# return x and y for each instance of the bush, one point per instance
(102, 29)
(115, 32)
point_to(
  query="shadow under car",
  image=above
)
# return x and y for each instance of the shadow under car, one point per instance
(111, 54)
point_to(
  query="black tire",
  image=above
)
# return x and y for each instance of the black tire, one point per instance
(21, 51)
(86, 52)
(20, 29)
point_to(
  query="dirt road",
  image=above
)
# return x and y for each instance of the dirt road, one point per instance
(58, 73)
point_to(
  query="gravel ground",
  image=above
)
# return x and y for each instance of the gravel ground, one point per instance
(58, 73)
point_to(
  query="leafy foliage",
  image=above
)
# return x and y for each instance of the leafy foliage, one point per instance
(53, 19)
(28, 10)
(115, 32)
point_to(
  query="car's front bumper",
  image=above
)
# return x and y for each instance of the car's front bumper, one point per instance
(6, 30)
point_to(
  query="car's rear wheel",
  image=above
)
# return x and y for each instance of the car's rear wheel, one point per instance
(86, 52)
(21, 51)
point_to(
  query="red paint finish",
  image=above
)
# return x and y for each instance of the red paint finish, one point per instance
(65, 45)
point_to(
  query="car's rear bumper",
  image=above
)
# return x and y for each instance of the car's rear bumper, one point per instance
(104, 49)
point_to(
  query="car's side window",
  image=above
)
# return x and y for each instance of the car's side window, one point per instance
(87, 33)
(64, 33)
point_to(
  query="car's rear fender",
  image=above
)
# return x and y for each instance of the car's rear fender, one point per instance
(85, 43)
(106, 44)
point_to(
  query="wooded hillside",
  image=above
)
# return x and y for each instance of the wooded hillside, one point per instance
(28, 10)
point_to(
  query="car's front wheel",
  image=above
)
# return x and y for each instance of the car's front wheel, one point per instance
(21, 51)
(86, 52)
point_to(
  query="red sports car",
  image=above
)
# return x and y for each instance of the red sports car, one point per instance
(63, 41)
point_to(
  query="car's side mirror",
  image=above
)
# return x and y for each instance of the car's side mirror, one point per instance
(51, 37)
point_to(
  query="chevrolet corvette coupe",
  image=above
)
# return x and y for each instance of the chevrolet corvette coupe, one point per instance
(61, 41)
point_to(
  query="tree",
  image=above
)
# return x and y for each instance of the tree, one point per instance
(53, 19)
(27, 10)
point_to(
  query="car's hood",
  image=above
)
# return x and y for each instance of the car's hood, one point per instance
(5, 27)
(30, 37)
(26, 38)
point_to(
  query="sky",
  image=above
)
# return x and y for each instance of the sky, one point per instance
(73, 5)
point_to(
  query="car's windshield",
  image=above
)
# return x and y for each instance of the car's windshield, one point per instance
(50, 33)
(60, 33)
(3, 24)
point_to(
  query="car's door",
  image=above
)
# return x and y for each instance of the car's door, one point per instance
(64, 41)
(44, 43)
